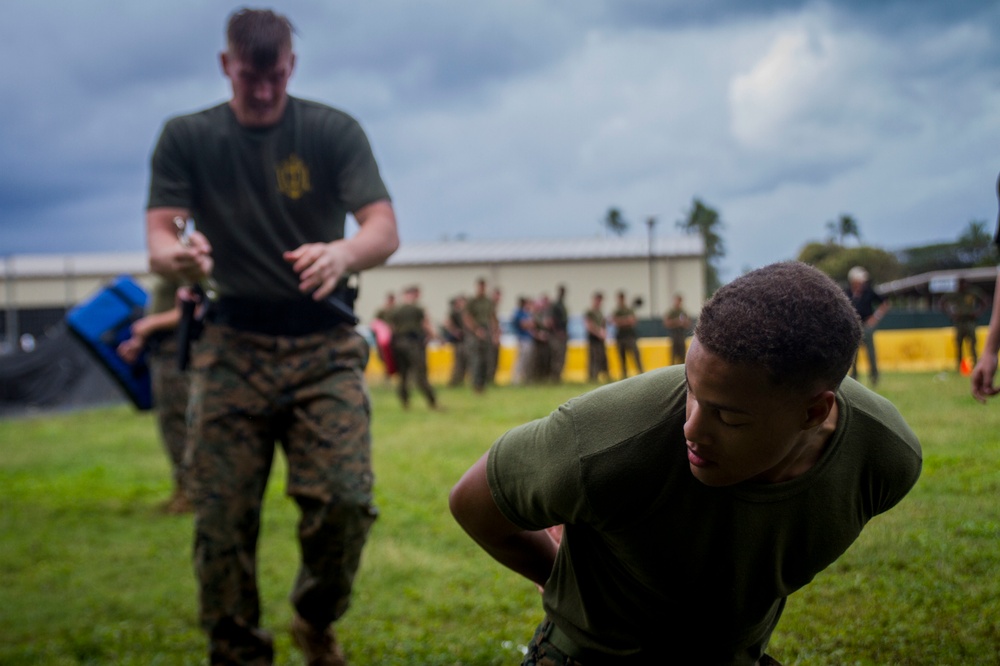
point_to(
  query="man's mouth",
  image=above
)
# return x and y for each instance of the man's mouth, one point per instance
(696, 459)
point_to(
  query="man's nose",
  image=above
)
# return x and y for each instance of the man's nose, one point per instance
(263, 91)
(694, 426)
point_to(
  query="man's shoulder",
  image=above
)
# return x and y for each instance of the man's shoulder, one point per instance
(873, 415)
(207, 116)
(630, 407)
(314, 112)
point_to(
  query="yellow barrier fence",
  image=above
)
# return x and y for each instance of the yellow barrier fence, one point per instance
(929, 349)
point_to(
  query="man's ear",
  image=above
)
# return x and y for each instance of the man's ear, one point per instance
(818, 409)
(224, 62)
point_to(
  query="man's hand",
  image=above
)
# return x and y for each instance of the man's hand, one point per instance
(982, 378)
(190, 261)
(319, 266)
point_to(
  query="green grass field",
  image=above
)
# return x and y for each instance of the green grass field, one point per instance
(93, 573)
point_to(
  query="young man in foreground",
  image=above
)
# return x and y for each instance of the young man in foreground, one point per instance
(696, 498)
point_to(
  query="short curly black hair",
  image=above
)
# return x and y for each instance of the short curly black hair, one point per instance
(788, 317)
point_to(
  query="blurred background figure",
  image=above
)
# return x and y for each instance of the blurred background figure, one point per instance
(871, 308)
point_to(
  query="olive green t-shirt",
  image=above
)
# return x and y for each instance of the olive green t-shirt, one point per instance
(407, 319)
(653, 562)
(257, 193)
(624, 330)
(596, 317)
(481, 309)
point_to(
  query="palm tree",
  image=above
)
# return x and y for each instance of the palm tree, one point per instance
(975, 244)
(842, 227)
(705, 221)
(615, 222)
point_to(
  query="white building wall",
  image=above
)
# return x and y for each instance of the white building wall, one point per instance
(582, 278)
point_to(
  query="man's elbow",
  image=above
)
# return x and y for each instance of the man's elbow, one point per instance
(458, 504)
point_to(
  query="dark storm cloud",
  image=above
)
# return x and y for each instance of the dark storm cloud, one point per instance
(524, 118)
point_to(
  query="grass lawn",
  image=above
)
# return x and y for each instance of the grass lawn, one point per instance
(92, 573)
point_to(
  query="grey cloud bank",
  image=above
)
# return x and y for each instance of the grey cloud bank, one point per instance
(510, 120)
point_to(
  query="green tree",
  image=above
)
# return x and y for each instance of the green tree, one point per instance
(817, 252)
(881, 265)
(705, 221)
(973, 248)
(975, 244)
(842, 228)
(615, 222)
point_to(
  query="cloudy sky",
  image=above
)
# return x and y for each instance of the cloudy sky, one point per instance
(530, 119)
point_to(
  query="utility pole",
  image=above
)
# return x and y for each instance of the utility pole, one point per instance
(650, 223)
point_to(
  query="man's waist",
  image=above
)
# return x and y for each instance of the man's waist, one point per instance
(276, 317)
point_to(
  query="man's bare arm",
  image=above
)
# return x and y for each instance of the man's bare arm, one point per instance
(984, 374)
(529, 553)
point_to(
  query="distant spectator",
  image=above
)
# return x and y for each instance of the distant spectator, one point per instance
(626, 337)
(560, 334)
(871, 308)
(454, 334)
(963, 307)
(522, 322)
(597, 334)
(678, 325)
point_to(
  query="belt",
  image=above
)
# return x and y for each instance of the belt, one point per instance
(280, 318)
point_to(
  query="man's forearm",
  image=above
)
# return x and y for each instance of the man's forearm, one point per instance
(377, 237)
(992, 344)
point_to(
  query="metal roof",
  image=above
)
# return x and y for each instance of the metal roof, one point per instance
(409, 254)
(920, 284)
(80, 265)
(536, 250)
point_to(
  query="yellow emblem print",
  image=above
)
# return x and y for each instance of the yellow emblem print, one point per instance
(293, 177)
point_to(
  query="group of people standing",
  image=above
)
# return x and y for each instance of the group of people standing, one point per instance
(541, 327)
(676, 320)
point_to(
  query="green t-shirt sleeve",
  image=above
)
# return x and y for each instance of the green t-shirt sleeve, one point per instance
(534, 473)
(170, 184)
(358, 179)
(564, 468)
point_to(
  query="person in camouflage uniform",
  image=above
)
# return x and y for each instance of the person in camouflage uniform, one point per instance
(963, 307)
(625, 321)
(156, 333)
(480, 322)
(410, 332)
(678, 323)
(455, 335)
(268, 180)
(560, 334)
(597, 331)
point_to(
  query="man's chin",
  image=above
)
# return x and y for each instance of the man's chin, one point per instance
(710, 477)
(259, 117)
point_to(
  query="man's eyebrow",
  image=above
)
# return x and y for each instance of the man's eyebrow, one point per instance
(716, 405)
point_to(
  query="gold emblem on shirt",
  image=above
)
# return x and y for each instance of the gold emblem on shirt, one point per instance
(293, 177)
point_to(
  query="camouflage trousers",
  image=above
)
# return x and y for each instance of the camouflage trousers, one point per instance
(965, 331)
(597, 360)
(478, 354)
(248, 392)
(170, 396)
(629, 346)
(410, 354)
